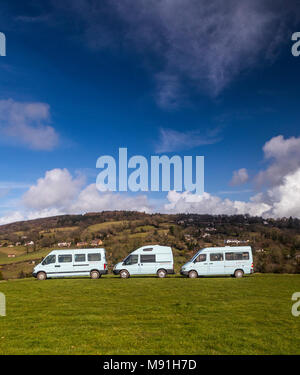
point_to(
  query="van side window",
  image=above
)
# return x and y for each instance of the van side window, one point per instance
(200, 258)
(237, 256)
(131, 259)
(148, 249)
(95, 257)
(79, 257)
(65, 258)
(148, 258)
(50, 259)
(216, 257)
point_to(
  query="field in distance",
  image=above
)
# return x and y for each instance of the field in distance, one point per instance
(146, 315)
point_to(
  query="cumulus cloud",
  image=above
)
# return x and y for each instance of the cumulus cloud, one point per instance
(173, 140)
(281, 199)
(57, 189)
(239, 177)
(27, 124)
(284, 158)
(90, 199)
(206, 203)
(206, 44)
(58, 193)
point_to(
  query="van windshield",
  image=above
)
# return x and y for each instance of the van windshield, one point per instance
(196, 255)
(131, 259)
(49, 259)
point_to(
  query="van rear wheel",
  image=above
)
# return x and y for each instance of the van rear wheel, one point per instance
(193, 275)
(161, 274)
(124, 274)
(41, 276)
(95, 275)
(238, 274)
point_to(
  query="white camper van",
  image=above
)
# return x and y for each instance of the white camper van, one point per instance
(66, 263)
(147, 260)
(236, 261)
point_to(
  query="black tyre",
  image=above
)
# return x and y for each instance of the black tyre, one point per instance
(41, 276)
(124, 274)
(238, 274)
(95, 274)
(193, 274)
(161, 273)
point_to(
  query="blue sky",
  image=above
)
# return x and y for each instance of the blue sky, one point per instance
(83, 78)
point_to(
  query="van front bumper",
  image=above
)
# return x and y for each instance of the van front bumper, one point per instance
(116, 272)
(184, 273)
(34, 274)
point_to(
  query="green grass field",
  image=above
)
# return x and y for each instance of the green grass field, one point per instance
(145, 315)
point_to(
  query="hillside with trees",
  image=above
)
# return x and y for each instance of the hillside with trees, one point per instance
(275, 242)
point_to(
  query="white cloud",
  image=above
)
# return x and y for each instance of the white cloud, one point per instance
(173, 140)
(285, 198)
(57, 189)
(27, 124)
(284, 156)
(59, 193)
(12, 217)
(90, 199)
(188, 202)
(282, 200)
(239, 177)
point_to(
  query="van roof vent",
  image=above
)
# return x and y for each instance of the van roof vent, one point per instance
(148, 249)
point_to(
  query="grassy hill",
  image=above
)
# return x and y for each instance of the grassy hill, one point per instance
(276, 243)
(144, 315)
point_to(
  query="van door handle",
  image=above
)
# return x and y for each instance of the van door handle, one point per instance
(57, 266)
(205, 263)
(210, 263)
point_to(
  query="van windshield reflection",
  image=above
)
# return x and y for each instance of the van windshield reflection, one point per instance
(197, 254)
(131, 259)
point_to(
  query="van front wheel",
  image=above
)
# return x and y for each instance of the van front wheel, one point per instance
(193, 275)
(238, 274)
(124, 274)
(161, 274)
(95, 275)
(41, 276)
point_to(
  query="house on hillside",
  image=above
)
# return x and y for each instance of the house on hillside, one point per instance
(64, 244)
(30, 243)
(11, 255)
(96, 242)
(80, 244)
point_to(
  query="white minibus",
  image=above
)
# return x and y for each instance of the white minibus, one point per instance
(236, 261)
(147, 260)
(65, 263)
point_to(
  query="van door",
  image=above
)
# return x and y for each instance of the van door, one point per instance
(49, 264)
(216, 263)
(65, 265)
(131, 264)
(147, 264)
(201, 264)
(81, 265)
